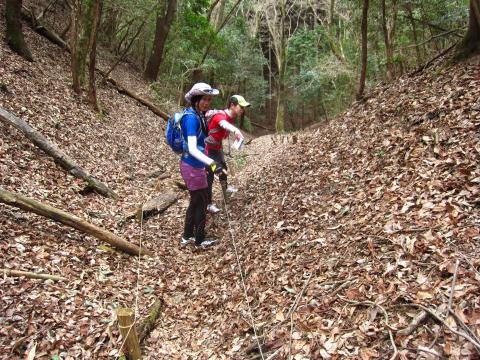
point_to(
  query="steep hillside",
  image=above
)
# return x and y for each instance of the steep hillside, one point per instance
(365, 214)
(370, 212)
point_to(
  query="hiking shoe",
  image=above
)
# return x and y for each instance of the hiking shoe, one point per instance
(187, 241)
(206, 243)
(231, 189)
(213, 208)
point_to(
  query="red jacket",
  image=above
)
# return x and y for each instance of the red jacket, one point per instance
(215, 132)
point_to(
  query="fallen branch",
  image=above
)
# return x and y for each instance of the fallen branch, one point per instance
(42, 30)
(431, 61)
(148, 324)
(430, 39)
(292, 310)
(123, 90)
(417, 320)
(261, 126)
(31, 275)
(71, 220)
(452, 289)
(58, 156)
(464, 326)
(440, 320)
(154, 206)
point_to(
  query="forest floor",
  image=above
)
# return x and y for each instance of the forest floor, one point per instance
(343, 232)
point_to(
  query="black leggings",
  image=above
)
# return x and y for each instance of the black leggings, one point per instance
(218, 156)
(196, 215)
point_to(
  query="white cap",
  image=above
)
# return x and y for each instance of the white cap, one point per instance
(200, 89)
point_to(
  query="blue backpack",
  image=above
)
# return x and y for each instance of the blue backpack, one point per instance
(174, 133)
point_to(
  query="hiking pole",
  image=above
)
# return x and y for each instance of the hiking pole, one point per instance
(242, 277)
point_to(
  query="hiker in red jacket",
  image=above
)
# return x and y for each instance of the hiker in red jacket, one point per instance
(219, 127)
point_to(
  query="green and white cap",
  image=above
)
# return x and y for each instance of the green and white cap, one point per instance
(240, 100)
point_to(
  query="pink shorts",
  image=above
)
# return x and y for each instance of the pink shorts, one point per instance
(195, 178)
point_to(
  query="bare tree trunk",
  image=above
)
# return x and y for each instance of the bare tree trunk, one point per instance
(14, 33)
(127, 49)
(220, 14)
(83, 25)
(388, 34)
(414, 33)
(281, 54)
(364, 30)
(92, 92)
(76, 17)
(161, 32)
(471, 42)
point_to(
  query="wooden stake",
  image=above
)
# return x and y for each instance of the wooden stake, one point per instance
(131, 346)
(31, 275)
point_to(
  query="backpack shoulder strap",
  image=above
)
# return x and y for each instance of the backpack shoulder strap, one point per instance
(202, 127)
(217, 128)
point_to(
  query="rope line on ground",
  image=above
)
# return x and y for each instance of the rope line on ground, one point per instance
(232, 237)
(137, 290)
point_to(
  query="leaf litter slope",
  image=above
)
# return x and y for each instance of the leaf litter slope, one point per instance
(378, 205)
(374, 206)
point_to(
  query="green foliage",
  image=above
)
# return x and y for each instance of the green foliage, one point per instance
(323, 59)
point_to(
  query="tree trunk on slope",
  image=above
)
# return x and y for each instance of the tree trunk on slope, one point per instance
(413, 24)
(471, 42)
(281, 55)
(220, 14)
(14, 32)
(83, 23)
(388, 34)
(364, 30)
(75, 66)
(92, 48)
(71, 220)
(161, 32)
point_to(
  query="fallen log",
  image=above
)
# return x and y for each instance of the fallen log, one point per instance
(153, 206)
(148, 324)
(25, 203)
(35, 24)
(59, 157)
(123, 90)
(31, 275)
(261, 126)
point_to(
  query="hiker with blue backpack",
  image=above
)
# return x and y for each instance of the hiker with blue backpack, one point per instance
(186, 133)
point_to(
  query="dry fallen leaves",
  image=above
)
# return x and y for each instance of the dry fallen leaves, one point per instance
(374, 206)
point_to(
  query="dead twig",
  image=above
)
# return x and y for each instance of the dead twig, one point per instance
(31, 275)
(293, 308)
(417, 320)
(343, 286)
(464, 326)
(452, 290)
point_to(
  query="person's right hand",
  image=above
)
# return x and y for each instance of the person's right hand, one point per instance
(238, 135)
(217, 168)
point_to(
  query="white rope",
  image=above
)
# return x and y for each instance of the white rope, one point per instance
(230, 230)
(137, 291)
